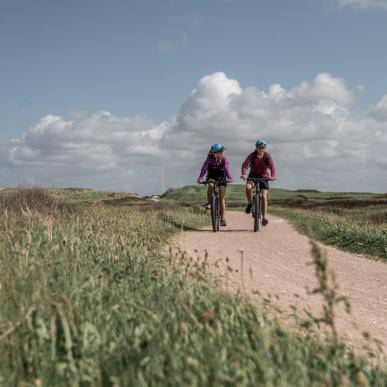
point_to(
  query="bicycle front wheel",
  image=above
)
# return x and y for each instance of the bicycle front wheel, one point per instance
(256, 212)
(217, 214)
(214, 213)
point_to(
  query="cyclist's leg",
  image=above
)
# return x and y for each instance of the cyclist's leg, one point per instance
(249, 195)
(265, 195)
(222, 202)
(210, 189)
(249, 191)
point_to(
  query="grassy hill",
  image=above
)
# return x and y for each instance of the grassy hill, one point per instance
(87, 299)
(195, 194)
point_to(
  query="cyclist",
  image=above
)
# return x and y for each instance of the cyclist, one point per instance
(217, 168)
(259, 162)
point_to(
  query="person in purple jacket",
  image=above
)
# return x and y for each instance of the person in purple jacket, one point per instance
(259, 163)
(217, 168)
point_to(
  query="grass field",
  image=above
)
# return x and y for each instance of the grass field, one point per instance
(87, 299)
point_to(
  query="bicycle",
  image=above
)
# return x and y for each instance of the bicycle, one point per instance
(214, 203)
(257, 201)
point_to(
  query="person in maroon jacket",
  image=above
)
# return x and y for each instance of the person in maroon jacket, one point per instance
(259, 163)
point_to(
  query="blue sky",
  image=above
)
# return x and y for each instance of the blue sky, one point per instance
(145, 57)
(89, 88)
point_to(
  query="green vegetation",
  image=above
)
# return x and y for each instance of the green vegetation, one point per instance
(236, 196)
(346, 233)
(76, 196)
(86, 298)
(355, 222)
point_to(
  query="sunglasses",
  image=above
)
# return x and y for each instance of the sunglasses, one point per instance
(261, 144)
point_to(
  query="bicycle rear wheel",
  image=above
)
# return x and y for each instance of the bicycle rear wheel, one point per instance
(257, 212)
(214, 213)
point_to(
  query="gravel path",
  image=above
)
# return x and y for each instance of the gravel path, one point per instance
(275, 264)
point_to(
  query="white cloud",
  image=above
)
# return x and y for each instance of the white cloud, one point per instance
(316, 140)
(362, 4)
(60, 150)
(324, 87)
(379, 112)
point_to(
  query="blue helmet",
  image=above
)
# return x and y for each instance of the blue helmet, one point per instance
(261, 141)
(217, 148)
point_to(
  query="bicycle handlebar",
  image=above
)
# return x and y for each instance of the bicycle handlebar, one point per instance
(258, 179)
(216, 182)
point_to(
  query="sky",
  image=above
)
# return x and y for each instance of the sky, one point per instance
(128, 95)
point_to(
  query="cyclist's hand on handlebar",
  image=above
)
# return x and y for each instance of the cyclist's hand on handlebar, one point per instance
(230, 180)
(199, 181)
(244, 177)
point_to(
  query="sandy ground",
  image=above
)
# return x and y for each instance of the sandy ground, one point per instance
(276, 263)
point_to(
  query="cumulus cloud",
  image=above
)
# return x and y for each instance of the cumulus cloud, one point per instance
(219, 107)
(316, 139)
(84, 148)
(379, 112)
(324, 87)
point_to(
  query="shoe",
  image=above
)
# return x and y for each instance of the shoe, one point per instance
(264, 222)
(223, 222)
(248, 208)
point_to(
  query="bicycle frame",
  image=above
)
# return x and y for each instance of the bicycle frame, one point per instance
(215, 204)
(257, 202)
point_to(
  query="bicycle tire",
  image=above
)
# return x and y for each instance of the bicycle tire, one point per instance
(217, 214)
(257, 211)
(214, 213)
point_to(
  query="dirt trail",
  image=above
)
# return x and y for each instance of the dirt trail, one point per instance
(275, 263)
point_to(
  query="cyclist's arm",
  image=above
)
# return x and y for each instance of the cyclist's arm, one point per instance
(245, 165)
(204, 169)
(227, 169)
(272, 167)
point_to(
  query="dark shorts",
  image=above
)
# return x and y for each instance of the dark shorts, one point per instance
(217, 175)
(222, 184)
(262, 184)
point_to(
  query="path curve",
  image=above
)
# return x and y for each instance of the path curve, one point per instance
(275, 263)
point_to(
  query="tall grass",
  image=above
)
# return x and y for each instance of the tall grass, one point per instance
(28, 200)
(91, 301)
(339, 231)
